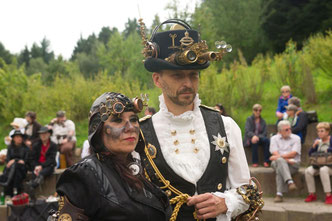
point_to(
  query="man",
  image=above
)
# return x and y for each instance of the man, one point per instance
(191, 149)
(31, 130)
(42, 160)
(149, 111)
(64, 136)
(285, 148)
(300, 127)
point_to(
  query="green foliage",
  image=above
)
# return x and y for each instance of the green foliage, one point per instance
(237, 22)
(5, 54)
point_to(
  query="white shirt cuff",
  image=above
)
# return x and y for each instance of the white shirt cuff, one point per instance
(234, 202)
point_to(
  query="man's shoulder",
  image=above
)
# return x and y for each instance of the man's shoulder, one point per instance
(145, 118)
(209, 108)
(295, 137)
(274, 137)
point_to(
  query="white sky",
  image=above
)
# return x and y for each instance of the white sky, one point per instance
(23, 22)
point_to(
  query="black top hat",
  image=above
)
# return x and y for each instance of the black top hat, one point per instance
(177, 49)
(17, 132)
(44, 130)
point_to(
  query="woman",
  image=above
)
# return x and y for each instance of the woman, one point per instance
(108, 184)
(31, 130)
(256, 134)
(16, 168)
(323, 144)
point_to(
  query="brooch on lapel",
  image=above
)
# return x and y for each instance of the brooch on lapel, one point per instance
(220, 143)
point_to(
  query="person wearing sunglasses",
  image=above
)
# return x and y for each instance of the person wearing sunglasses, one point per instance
(256, 135)
(109, 184)
(285, 148)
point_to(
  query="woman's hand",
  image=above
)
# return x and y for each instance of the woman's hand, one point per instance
(37, 170)
(10, 163)
(315, 143)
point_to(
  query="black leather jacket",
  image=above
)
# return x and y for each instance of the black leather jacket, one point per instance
(97, 188)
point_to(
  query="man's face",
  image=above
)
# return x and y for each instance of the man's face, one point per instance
(179, 86)
(286, 131)
(45, 136)
(61, 119)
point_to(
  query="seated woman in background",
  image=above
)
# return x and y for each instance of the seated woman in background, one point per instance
(322, 144)
(256, 134)
(110, 184)
(16, 168)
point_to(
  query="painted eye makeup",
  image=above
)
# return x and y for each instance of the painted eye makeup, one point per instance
(134, 119)
(116, 119)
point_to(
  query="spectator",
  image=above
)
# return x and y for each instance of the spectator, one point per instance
(16, 168)
(256, 134)
(322, 144)
(285, 148)
(31, 129)
(283, 101)
(42, 160)
(150, 111)
(300, 127)
(64, 136)
(86, 149)
(221, 109)
(17, 124)
(295, 121)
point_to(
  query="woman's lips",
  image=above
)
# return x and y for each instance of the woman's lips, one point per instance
(131, 139)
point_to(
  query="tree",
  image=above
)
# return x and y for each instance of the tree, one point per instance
(131, 26)
(24, 57)
(237, 22)
(105, 34)
(42, 51)
(5, 54)
(85, 45)
(297, 20)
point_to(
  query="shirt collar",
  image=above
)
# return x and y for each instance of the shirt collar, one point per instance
(188, 115)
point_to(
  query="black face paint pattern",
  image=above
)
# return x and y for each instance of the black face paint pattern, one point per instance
(114, 133)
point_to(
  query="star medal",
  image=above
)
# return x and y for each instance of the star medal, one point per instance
(220, 143)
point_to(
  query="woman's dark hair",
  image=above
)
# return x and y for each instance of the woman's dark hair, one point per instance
(221, 109)
(120, 165)
(32, 115)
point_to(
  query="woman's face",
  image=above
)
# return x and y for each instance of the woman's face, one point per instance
(120, 134)
(322, 133)
(18, 140)
(257, 112)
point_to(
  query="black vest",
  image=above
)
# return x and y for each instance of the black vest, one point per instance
(213, 178)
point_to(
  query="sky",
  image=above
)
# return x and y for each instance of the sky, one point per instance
(62, 22)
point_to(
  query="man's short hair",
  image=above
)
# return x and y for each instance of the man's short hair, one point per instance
(324, 125)
(31, 114)
(285, 87)
(291, 107)
(295, 100)
(283, 123)
(60, 113)
(256, 107)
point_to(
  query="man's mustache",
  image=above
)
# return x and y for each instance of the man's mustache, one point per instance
(186, 90)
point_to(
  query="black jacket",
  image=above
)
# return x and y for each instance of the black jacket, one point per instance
(35, 155)
(250, 130)
(17, 153)
(35, 128)
(300, 128)
(97, 188)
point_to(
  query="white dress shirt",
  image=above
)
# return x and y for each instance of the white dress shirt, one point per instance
(188, 152)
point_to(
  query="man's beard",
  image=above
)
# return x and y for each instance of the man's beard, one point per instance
(175, 98)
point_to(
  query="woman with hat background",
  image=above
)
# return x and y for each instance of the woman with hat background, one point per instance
(109, 184)
(16, 168)
(42, 160)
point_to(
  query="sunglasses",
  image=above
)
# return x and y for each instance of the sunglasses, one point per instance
(287, 129)
(284, 91)
(258, 110)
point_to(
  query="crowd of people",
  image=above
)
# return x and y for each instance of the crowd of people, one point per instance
(283, 150)
(32, 147)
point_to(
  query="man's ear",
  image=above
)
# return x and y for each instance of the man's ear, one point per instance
(156, 79)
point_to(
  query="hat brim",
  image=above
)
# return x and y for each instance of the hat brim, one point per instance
(156, 64)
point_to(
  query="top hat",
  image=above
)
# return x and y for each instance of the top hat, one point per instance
(180, 48)
(44, 129)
